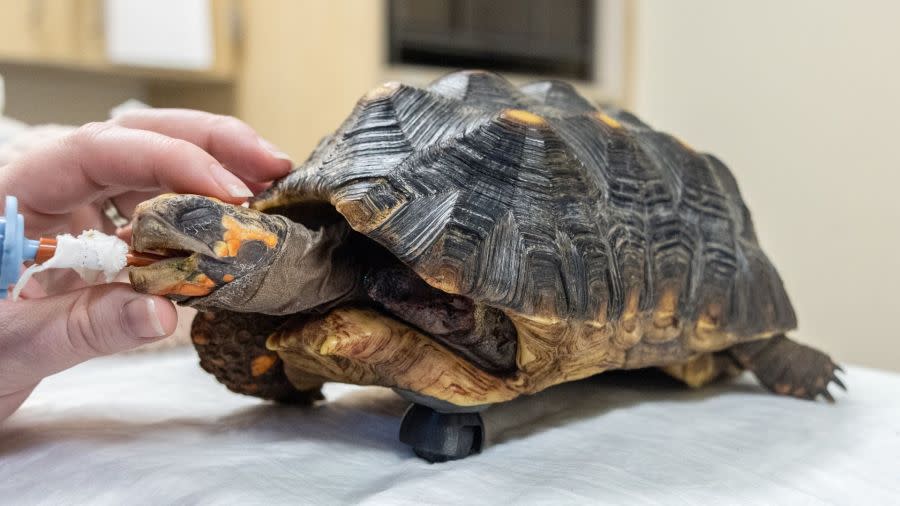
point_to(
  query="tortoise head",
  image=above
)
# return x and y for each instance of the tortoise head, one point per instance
(210, 244)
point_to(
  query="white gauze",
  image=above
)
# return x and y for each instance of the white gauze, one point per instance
(90, 254)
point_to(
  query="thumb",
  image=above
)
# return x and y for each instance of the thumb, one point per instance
(40, 337)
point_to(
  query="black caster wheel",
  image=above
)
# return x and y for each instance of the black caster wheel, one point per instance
(439, 437)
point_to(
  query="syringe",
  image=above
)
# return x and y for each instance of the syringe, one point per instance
(17, 249)
(47, 247)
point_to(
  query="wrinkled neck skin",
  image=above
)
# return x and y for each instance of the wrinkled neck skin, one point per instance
(313, 270)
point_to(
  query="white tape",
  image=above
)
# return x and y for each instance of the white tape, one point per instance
(90, 254)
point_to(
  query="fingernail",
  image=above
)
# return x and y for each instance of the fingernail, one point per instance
(142, 319)
(277, 153)
(230, 183)
(239, 191)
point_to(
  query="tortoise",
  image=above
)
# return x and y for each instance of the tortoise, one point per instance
(474, 241)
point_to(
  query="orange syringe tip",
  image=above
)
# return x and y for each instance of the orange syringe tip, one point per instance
(47, 247)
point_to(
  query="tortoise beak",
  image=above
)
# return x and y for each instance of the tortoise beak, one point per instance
(176, 277)
(210, 244)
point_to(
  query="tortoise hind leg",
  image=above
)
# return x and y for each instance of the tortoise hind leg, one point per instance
(703, 369)
(232, 347)
(787, 367)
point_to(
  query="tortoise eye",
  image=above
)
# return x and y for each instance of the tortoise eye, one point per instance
(251, 252)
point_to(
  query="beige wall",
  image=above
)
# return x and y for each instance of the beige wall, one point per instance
(802, 100)
(42, 95)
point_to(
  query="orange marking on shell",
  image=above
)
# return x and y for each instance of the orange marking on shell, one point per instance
(629, 315)
(607, 119)
(446, 279)
(228, 278)
(385, 90)
(200, 339)
(362, 217)
(664, 316)
(684, 144)
(523, 117)
(710, 319)
(261, 364)
(236, 234)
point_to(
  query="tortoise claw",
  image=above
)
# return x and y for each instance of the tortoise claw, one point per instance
(786, 367)
(837, 381)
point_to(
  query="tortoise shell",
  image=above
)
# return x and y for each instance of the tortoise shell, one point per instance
(534, 201)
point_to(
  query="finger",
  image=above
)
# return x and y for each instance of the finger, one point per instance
(126, 203)
(100, 160)
(228, 139)
(125, 233)
(44, 336)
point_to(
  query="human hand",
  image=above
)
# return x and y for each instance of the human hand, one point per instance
(28, 138)
(61, 186)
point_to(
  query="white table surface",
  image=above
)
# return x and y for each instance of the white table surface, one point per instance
(155, 429)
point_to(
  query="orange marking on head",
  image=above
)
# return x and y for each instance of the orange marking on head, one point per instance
(236, 234)
(607, 119)
(221, 249)
(524, 117)
(228, 278)
(197, 286)
(233, 246)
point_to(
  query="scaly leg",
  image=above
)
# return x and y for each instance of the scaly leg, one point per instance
(787, 367)
(232, 347)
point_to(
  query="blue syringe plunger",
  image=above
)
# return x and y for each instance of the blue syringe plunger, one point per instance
(16, 247)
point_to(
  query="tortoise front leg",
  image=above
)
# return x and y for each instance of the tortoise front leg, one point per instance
(232, 347)
(787, 367)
